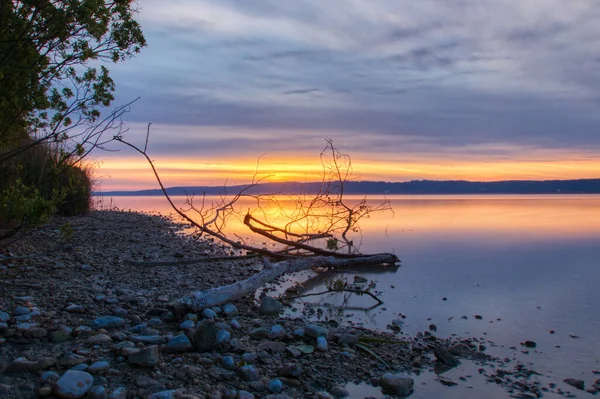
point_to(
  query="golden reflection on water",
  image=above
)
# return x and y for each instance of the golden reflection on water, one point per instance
(544, 215)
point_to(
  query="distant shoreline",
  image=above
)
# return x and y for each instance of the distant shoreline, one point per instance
(415, 187)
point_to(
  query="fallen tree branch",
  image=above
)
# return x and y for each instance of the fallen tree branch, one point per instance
(350, 290)
(198, 301)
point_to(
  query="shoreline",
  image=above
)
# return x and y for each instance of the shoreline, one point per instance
(54, 308)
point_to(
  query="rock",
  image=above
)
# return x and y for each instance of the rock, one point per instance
(32, 330)
(324, 395)
(235, 324)
(293, 351)
(230, 310)
(73, 384)
(269, 306)
(348, 339)
(75, 309)
(187, 325)
(43, 392)
(228, 362)
(244, 395)
(248, 373)
(339, 391)
(529, 344)
(101, 339)
(21, 310)
(49, 377)
(397, 384)
(275, 386)
(277, 396)
(299, 332)
(445, 357)
(61, 334)
(315, 331)
(306, 349)
(579, 384)
(223, 337)
(3, 327)
(87, 267)
(108, 322)
(249, 357)
(97, 392)
(80, 367)
(277, 332)
(98, 367)
(23, 364)
(4, 317)
(259, 333)
(170, 394)
(72, 359)
(179, 344)
(204, 336)
(290, 370)
(272, 346)
(322, 344)
(148, 339)
(209, 314)
(119, 393)
(148, 357)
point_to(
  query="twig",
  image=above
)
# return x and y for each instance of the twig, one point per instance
(358, 292)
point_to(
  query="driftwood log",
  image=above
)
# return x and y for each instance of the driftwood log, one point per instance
(200, 300)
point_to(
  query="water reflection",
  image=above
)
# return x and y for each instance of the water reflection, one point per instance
(527, 264)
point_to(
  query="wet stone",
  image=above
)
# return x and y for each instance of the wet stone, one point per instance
(179, 344)
(148, 357)
(315, 331)
(248, 373)
(230, 310)
(270, 307)
(73, 384)
(108, 322)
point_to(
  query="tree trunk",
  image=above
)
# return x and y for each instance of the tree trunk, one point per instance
(200, 300)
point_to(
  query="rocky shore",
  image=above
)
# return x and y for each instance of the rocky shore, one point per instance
(80, 322)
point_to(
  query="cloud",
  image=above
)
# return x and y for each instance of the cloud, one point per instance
(456, 74)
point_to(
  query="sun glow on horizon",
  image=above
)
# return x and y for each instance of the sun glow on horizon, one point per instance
(136, 174)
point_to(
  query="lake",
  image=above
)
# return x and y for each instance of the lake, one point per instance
(529, 265)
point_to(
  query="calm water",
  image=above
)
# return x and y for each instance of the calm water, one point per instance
(530, 261)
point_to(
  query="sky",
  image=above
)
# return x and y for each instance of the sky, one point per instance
(428, 89)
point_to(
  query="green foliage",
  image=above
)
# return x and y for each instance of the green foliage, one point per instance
(53, 86)
(51, 77)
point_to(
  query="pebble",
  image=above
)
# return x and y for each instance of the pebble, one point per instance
(315, 331)
(228, 362)
(179, 344)
(248, 373)
(275, 386)
(147, 357)
(119, 393)
(269, 306)
(397, 384)
(322, 344)
(223, 337)
(235, 324)
(49, 377)
(96, 392)
(99, 367)
(230, 310)
(209, 314)
(339, 391)
(21, 310)
(148, 339)
(73, 384)
(4, 317)
(108, 322)
(187, 325)
(244, 395)
(277, 332)
(75, 309)
(204, 336)
(102, 339)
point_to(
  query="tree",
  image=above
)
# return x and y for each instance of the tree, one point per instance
(314, 235)
(53, 86)
(52, 81)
